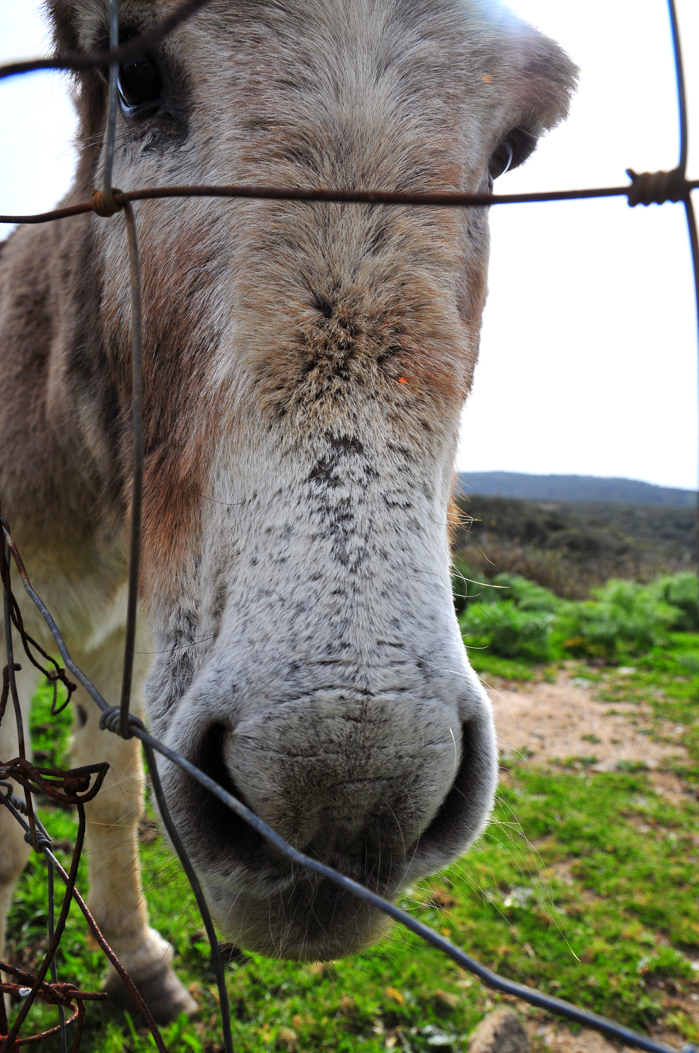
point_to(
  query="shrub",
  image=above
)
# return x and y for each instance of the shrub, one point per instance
(508, 630)
(527, 595)
(520, 619)
(624, 619)
(681, 591)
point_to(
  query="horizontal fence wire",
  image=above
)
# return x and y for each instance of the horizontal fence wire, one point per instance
(644, 188)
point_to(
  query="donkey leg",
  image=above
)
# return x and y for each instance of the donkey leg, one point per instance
(14, 851)
(116, 895)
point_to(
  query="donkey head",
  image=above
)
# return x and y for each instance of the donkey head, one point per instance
(305, 370)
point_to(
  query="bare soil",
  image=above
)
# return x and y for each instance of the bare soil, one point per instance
(556, 1037)
(564, 722)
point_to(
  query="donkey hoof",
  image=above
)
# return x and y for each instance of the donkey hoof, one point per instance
(164, 994)
(147, 959)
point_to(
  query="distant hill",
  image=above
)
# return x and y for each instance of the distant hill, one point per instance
(572, 488)
(571, 546)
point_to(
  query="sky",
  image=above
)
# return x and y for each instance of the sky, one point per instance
(588, 358)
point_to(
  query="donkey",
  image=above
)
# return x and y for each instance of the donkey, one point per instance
(305, 369)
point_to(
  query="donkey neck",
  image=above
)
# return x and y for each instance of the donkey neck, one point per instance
(55, 474)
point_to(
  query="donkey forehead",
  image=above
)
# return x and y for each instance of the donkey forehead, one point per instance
(399, 94)
(433, 59)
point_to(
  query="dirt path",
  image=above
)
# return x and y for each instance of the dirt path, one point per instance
(555, 722)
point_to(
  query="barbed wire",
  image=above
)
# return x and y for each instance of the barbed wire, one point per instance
(76, 786)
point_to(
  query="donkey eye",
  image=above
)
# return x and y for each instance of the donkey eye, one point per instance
(513, 151)
(140, 83)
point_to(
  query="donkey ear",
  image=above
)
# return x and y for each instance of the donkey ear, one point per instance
(63, 18)
(77, 25)
(542, 79)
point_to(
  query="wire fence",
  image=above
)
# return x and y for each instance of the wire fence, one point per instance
(76, 787)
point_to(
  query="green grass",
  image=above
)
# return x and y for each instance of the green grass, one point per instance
(584, 885)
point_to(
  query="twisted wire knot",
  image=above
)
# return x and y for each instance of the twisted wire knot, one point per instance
(110, 719)
(104, 204)
(7, 793)
(42, 839)
(655, 188)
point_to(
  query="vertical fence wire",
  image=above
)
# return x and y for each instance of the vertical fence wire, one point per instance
(54, 971)
(683, 122)
(681, 87)
(216, 957)
(137, 476)
(112, 99)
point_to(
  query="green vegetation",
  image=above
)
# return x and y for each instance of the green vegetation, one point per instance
(585, 883)
(512, 618)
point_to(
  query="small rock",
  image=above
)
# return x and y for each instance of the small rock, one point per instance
(499, 1032)
(608, 765)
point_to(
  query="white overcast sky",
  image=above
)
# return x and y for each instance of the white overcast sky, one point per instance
(589, 351)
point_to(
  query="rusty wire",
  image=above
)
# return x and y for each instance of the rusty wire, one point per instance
(17, 808)
(63, 995)
(75, 786)
(644, 189)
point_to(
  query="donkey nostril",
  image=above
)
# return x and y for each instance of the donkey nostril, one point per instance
(212, 762)
(464, 810)
(227, 828)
